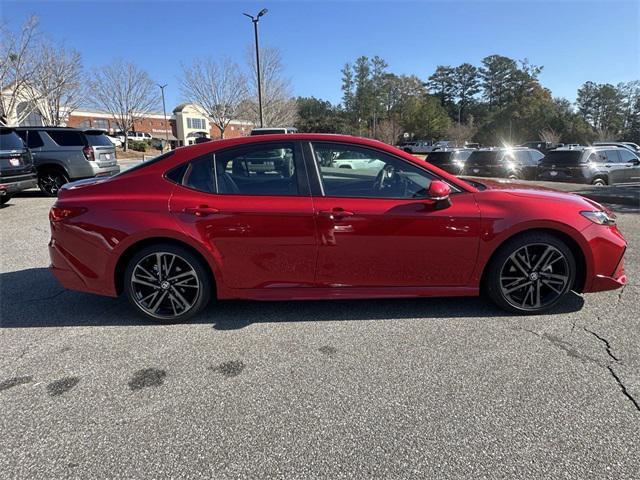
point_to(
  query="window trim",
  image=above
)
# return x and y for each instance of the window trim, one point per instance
(454, 188)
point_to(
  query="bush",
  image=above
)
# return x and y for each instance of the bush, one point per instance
(139, 146)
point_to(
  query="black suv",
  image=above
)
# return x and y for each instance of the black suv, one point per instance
(450, 160)
(16, 165)
(514, 163)
(62, 154)
(595, 165)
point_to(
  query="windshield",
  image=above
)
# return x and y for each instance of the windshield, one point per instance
(484, 158)
(560, 157)
(9, 140)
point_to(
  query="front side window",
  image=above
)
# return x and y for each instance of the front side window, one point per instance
(612, 156)
(351, 171)
(627, 156)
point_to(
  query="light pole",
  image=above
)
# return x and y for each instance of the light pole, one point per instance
(255, 21)
(164, 112)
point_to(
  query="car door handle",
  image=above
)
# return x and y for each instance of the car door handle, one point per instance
(336, 213)
(200, 211)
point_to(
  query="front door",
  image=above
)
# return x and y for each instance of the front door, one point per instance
(376, 229)
(629, 167)
(252, 208)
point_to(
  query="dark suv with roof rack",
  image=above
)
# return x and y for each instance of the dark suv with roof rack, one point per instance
(514, 163)
(600, 165)
(16, 165)
(63, 154)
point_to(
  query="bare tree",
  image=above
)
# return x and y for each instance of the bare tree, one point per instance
(125, 92)
(17, 66)
(57, 84)
(278, 105)
(461, 133)
(550, 135)
(218, 88)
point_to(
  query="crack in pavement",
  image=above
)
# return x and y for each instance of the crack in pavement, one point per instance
(606, 343)
(573, 353)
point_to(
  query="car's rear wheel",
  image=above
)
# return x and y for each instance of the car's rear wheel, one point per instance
(599, 182)
(530, 273)
(4, 198)
(167, 283)
(50, 182)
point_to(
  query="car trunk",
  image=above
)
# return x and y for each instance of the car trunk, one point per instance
(103, 150)
(14, 158)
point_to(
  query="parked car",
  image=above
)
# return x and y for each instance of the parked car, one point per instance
(115, 140)
(514, 163)
(135, 137)
(193, 229)
(629, 145)
(419, 146)
(273, 131)
(17, 172)
(541, 146)
(450, 160)
(595, 165)
(62, 154)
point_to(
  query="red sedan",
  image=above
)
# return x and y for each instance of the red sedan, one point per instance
(306, 216)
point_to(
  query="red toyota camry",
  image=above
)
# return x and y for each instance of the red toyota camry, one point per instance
(308, 216)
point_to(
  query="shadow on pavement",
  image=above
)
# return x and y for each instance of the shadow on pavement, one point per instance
(33, 299)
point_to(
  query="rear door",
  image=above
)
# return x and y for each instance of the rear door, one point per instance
(258, 224)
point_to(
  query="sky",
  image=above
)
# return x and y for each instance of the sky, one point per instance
(575, 41)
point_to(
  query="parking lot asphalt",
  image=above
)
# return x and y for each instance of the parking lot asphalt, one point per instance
(446, 388)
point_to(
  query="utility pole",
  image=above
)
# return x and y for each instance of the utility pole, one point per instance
(255, 21)
(164, 111)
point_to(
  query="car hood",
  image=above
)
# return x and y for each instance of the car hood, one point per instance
(537, 191)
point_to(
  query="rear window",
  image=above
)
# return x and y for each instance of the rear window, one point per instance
(67, 138)
(98, 140)
(9, 140)
(557, 157)
(483, 158)
(439, 158)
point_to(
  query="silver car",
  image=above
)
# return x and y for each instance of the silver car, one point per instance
(62, 154)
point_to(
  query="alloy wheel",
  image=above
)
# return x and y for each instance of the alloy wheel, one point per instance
(534, 276)
(50, 183)
(164, 285)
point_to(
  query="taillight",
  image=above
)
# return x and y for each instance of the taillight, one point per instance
(88, 154)
(57, 214)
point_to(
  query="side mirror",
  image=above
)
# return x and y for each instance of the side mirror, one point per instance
(438, 191)
(635, 161)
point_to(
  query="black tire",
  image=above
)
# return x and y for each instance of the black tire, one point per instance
(534, 281)
(173, 295)
(50, 181)
(5, 198)
(599, 182)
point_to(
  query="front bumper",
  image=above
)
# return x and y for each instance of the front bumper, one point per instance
(605, 271)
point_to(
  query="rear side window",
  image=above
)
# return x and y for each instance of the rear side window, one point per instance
(9, 140)
(67, 138)
(536, 156)
(98, 140)
(483, 158)
(32, 139)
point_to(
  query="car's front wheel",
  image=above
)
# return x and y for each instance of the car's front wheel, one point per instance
(167, 283)
(530, 273)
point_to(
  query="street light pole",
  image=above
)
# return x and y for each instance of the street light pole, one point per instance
(255, 21)
(164, 112)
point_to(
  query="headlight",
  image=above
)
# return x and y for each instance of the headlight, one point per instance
(600, 217)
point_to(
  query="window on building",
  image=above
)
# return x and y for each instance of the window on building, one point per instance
(85, 124)
(196, 123)
(101, 124)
